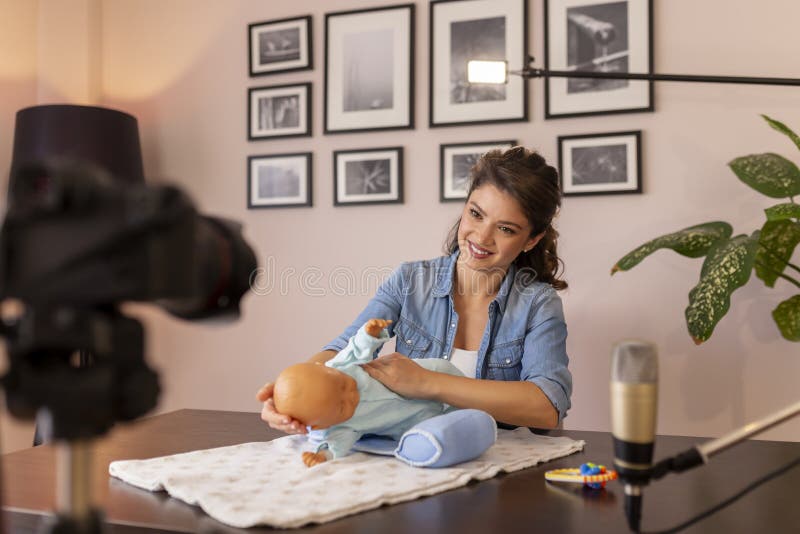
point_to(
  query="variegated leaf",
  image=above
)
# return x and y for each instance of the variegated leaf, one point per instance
(787, 317)
(776, 246)
(787, 210)
(782, 128)
(726, 268)
(769, 174)
(693, 242)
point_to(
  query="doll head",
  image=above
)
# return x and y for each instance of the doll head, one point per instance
(316, 395)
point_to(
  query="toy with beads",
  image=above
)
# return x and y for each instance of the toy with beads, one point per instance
(593, 475)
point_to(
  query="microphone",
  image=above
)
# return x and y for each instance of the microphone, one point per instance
(634, 398)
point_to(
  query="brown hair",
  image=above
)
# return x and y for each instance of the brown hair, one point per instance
(527, 177)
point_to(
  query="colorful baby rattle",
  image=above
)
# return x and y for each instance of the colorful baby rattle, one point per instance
(593, 475)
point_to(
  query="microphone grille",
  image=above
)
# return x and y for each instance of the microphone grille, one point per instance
(634, 361)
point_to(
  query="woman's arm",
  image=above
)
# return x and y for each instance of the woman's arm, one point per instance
(518, 403)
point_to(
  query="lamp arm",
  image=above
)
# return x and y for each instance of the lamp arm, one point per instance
(531, 71)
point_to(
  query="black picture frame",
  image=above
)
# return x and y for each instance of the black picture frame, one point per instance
(357, 97)
(454, 173)
(453, 27)
(279, 46)
(268, 187)
(270, 114)
(630, 50)
(592, 164)
(346, 177)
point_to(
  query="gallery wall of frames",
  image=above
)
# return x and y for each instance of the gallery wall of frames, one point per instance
(369, 86)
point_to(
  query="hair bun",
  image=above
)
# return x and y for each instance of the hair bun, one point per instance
(533, 161)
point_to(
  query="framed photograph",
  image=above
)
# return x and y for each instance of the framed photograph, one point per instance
(279, 111)
(600, 164)
(369, 69)
(280, 46)
(456, 162)
(368, 176)
(463, 30)
(600, 36)
(279, 180)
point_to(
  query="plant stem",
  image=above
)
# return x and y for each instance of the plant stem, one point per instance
(785, 262)
(781, 275)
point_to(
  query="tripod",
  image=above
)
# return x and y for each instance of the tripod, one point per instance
(78, 402)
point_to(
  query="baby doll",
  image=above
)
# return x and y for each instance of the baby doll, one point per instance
(341, 403)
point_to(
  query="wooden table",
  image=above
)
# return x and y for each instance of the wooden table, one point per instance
(516, 502)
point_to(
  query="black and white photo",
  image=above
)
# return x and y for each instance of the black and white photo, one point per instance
(598, 36)
(455, 164)
(369, 65)
(466, 30)
(279, 111)
(279, 180)
(278, 46)
(368, 176)
(594, 164)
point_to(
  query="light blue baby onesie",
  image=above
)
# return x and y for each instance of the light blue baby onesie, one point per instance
(380, 411)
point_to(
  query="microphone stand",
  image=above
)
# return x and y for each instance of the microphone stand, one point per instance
(700, 454)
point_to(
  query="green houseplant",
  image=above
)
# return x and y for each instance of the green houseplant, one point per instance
(730, 260)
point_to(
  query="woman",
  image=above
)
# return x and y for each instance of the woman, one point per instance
(490, 306)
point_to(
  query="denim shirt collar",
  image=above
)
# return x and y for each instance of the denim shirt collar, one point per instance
(444, 281)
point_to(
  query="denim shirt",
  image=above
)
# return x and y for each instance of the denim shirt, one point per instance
(525, 336)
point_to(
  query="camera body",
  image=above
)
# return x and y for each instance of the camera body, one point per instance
(74, 245)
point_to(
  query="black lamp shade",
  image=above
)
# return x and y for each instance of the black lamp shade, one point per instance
(103, 137)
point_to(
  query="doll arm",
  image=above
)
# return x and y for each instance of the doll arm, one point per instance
(362, 345)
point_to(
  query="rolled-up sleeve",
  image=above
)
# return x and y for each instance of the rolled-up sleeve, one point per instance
(386, 304)
(545, 360)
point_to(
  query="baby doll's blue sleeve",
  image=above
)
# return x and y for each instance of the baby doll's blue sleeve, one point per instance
(339, 440)
(359, 349)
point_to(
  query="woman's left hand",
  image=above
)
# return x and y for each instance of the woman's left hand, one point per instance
(402, 375)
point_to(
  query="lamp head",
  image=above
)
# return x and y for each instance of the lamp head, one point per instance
(490, 72)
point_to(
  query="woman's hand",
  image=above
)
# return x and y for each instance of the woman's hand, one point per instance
(276, 420)
(402, 375)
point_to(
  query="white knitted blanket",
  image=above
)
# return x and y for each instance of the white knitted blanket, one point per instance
(266, 483)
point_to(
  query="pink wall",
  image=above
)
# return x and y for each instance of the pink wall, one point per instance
(17, 90)
(181, 68)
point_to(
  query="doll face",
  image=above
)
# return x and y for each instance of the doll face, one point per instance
(316, 395)
(493, 230)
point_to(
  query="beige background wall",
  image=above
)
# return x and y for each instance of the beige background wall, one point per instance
(180, 66)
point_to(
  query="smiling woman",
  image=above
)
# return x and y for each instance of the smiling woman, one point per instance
(494, 293)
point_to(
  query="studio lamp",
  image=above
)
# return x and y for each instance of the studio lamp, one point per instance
(104, 138)
(496, 72)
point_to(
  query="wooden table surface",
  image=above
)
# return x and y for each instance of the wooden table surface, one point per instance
(516, 502)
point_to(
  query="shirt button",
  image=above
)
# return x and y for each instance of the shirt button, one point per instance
(408, 341)
(445, 356)
(452, 325)
(508, 360)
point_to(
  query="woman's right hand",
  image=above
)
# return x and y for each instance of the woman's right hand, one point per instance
(276, 420)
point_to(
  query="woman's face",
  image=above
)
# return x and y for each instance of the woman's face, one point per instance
(493, 230)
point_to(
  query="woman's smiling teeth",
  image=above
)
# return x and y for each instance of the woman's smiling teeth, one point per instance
(477, 251)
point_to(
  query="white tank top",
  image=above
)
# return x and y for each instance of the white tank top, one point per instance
(465, 360)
